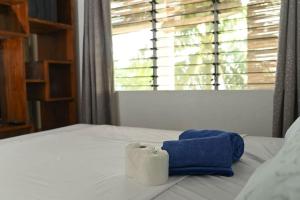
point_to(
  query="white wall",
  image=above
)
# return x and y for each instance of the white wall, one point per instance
(248, 112)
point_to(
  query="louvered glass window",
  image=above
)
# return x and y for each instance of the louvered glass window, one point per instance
(132, 45)
(195, 44)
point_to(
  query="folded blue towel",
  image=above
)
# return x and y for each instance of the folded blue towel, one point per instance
(210, 156)
(237, 141)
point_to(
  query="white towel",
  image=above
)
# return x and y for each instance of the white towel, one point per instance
(146, 164)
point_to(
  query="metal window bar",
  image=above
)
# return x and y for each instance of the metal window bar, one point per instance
(154, 44)
(216, 45)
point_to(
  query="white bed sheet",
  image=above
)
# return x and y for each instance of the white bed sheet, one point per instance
(85, 162)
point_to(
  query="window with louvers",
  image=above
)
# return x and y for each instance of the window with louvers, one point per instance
(195, 44)
(132, 44)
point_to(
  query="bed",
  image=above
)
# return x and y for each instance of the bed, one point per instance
(86, 162)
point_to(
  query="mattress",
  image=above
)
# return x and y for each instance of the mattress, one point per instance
(86, 162)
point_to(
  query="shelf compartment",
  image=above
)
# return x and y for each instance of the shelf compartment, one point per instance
(52, 10)
(49, 46)
(56, 43)
(59, 79)
(56, 79)
(55, 114)
(36, 91)
(35, 71)
(43, 26)
(13, 20)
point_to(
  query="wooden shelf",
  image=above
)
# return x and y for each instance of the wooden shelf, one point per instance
(52, 61)
(59, 99)
(67, 62)
(11, 131)
(11, 2)
(35, 81)
(44, 26)
(9, 34)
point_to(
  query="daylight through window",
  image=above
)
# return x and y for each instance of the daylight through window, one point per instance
(195, 44)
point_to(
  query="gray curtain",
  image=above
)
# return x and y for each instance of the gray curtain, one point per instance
(287, 89)
(97, 69)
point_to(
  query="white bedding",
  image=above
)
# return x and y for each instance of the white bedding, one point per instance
(85, 162)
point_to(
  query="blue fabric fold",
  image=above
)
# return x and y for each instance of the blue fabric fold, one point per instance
(182, 171)
(237, 141)
(199, 156)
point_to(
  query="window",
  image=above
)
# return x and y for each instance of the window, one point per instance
(195, 44)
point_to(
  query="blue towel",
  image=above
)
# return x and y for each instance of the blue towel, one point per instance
(237, 141)
(210, 156)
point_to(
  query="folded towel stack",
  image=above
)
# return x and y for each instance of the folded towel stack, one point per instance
(237, 141)
(204, 152)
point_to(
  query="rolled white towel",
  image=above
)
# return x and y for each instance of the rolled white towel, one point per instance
(133, 158)
(146, 164)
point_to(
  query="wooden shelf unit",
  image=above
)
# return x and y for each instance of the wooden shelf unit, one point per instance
(51, 75)
(48, 77)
